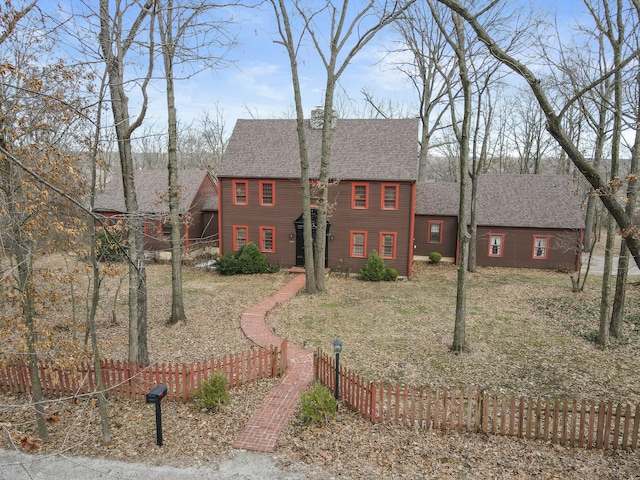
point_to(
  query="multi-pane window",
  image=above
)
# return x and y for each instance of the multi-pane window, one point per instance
(435, 231)
(267, 236)
(388, 244)
(240, 237)
(240, 196)
(267, 191)
(389, 197)
(358, 244)
(360, 194)
(540, 247)
(496, 245)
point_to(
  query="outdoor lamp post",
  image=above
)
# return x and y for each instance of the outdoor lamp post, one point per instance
(337, 349)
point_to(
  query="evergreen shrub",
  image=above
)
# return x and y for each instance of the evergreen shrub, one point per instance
(435, 257)
(375, 270)
(213, 393)
(317, 406)
(246, 260)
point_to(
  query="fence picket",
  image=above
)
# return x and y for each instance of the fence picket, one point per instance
(616, 427)
(428, 413)
(625, 431)
(461, 409)
(469, 409)
(574, 421)
(565, 413)
(607, 427)
(599, 430)
(636, 424)
(445, 406)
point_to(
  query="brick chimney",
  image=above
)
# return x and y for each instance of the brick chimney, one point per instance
(317, 119)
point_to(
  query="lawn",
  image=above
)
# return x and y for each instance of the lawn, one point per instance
(527, 332)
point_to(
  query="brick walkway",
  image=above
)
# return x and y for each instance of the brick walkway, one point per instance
(262, 431)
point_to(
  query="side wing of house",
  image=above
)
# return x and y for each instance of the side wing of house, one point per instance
(436, 228)
(198, 200)
(540, 248)
(201, 220)
(529, 221)
(524, 221)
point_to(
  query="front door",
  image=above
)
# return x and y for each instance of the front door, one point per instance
(299, 226)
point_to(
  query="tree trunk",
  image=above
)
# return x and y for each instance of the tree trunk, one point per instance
(95, 297)
(459, 332)
(617, 316)
(138, 352)
(21, 248)
(168, 52)
(288, 42)
(323, 180)
(22, 253)
(473, 226)
(91, 324)
(605, 300)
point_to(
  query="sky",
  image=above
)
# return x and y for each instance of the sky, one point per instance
(257, 84)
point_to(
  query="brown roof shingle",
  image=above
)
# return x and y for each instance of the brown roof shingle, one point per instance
(362, 149)
(543, 201)
(151, 191)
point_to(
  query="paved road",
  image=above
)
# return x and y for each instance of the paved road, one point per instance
(240, 465)
(597, 265)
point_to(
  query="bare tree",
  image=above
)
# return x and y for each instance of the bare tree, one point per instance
(431, 72)
(179, 24)
(203, 142)
(528, 134)
(455, 36)
(348, 34)
(115, 43)
(554, 117)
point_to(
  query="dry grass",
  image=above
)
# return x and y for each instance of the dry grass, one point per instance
(528, 335)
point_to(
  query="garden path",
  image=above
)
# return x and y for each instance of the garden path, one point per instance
(262, 431)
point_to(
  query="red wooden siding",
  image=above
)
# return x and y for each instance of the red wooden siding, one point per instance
(517, 248)
(288, 207)
(449, 235)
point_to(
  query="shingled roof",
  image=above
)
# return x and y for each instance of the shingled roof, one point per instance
(361, 150)
(151, 191)
(542, 201)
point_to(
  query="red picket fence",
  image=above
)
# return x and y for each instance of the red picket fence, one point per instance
(570, 423)
(129, 380)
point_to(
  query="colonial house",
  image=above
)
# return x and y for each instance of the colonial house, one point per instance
(198, 207)
(371, 196)
(524, 221)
